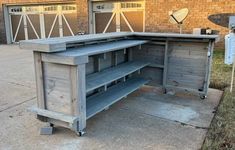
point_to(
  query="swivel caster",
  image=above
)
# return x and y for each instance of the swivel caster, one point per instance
(203, 97)
(80, 133)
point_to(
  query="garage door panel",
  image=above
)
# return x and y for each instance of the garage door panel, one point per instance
(129, 16)
(135, 19)
(49, 25)
(20, 35)
(15, 21)
(73, 24)
(17, 34)
(42, 21)
(124, 26)
(101, 21)
(35, 23)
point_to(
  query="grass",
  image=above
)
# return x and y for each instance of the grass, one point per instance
(221, 134)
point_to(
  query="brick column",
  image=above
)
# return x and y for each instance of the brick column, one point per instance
(2, 26)
(82, 9)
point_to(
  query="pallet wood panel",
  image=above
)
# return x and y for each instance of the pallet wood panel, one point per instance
(57, 88)
(186, 65)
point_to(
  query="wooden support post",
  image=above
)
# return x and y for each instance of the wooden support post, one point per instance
(164, 82)
(208, 68)
(39, 80)
(78, 82)
(97, 65)
(130, 57)
(114, 58)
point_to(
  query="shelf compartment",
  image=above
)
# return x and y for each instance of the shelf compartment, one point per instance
(107, 76)
(101, 101)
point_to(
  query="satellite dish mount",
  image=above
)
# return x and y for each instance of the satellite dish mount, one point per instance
(177, 17)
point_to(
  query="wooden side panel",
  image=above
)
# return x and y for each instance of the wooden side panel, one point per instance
(150, 52)
(155, 55)
(120, 57)
(187, 65)
(155, 75)
(90, 66)
(58, 88)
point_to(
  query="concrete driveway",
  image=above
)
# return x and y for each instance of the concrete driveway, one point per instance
(146, 119)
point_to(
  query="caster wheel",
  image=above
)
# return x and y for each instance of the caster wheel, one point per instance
(165, 91)
(203, 97)
(80, 133)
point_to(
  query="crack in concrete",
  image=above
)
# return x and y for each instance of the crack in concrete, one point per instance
(18, 104)
(18, 84)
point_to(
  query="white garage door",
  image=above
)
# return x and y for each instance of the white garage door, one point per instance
(118, 16)
(44, 21)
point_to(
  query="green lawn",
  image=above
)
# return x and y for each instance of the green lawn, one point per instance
(221, 134)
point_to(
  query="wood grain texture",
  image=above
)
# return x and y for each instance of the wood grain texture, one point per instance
(60, 44)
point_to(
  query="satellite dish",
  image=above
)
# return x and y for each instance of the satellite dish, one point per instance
(177, 17)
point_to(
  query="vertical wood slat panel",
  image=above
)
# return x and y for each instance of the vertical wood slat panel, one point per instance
(38, 66)
(78, 77)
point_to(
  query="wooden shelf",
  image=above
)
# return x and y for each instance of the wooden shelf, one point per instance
(156, 66)
(94, 49)
(102, 78)
(101, 101)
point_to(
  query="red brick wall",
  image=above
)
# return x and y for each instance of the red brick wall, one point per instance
(82, 7)
(200, 10)
(2, 28)
(156, 14)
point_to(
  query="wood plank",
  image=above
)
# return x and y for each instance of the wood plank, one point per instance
(95, 49)
(209, 66)
(109, 75)
(38, 67)
(156, 66)
(60, 44)
(78, 79)
(53, 115)
(57, 88)
(165, 64)
(80, 55)
(99, 102)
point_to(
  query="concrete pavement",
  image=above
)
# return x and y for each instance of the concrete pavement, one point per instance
(146, 119)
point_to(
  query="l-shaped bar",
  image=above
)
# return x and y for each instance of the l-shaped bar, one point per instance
(79, 76)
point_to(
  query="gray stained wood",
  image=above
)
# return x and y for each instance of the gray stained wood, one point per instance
(104, 77)
(54, 115)
(60, 44)
(79, 55)
(70, 69)
(97, 103)
(94, 49)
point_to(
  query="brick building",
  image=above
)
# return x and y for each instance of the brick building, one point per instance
(22, 19)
